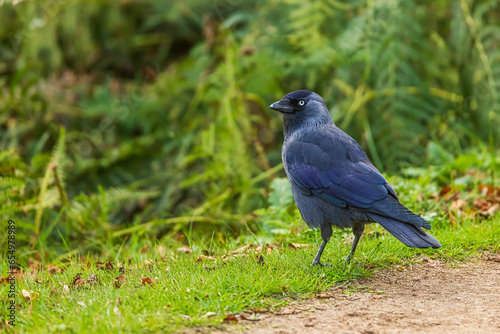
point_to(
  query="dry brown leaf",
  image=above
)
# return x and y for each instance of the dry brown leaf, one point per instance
(185, 249)
(493, 209)
(204, 257)
(209, 314)
(268, 249)
(297, 246)
(26, 294)
(233, 257)
(324, 296)
(93, 279)
(230, 318)
(444, 191)
(458, 204)
(53, 269)
(489, 191)
(146, 280)
(118, 281)
(78, 281)
(481, 204)
(109, 266)
(145, 249)
(161, 251)
(241, 249)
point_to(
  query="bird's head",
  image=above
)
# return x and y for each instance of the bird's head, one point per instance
(302, 108)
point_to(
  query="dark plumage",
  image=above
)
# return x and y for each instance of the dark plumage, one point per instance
(333, 181)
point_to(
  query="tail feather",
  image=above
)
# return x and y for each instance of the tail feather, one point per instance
(391, 207)
(410, 235)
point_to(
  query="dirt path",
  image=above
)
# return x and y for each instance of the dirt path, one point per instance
(429, 297)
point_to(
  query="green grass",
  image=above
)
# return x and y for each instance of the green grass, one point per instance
(184, 291)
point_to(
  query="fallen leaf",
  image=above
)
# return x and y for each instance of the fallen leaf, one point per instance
(65, 289)
(494, 208)
(204, 257)
(109, 265)
(118, 281)
(145, 249)
(241, 249)
(267, 248)
(297, 246)
(161, 251)
(230, 318)
(444, 191)
(481, 204)
(53, 269)
(187, 317)
(458, 204)
(209, 314)
(26, 294)
(489, 191)
(146, 280)
(93, 279)
(233, 257)
(78, 281)
(185, 249)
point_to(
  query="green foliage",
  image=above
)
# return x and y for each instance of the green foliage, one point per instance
(123, 117)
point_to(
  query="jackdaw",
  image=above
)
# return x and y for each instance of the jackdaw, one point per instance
(333, 181)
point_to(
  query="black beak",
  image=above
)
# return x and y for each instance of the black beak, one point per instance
(282, 106)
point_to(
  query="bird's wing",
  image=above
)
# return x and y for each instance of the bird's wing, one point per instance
(337, 170)
(335, 175)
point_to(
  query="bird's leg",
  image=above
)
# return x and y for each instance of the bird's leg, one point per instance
(326, 233)
(358, 230)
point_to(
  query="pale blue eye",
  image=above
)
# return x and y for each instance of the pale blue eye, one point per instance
(301, 103)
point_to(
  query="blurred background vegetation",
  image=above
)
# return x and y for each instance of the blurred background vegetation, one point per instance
(148, 119)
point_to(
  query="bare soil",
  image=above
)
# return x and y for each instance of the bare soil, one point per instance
(428, 297)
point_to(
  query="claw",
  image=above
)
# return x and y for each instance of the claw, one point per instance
(321, 264)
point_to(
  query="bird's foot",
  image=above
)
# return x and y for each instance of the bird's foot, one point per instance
(348, 261)
(319, 264)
